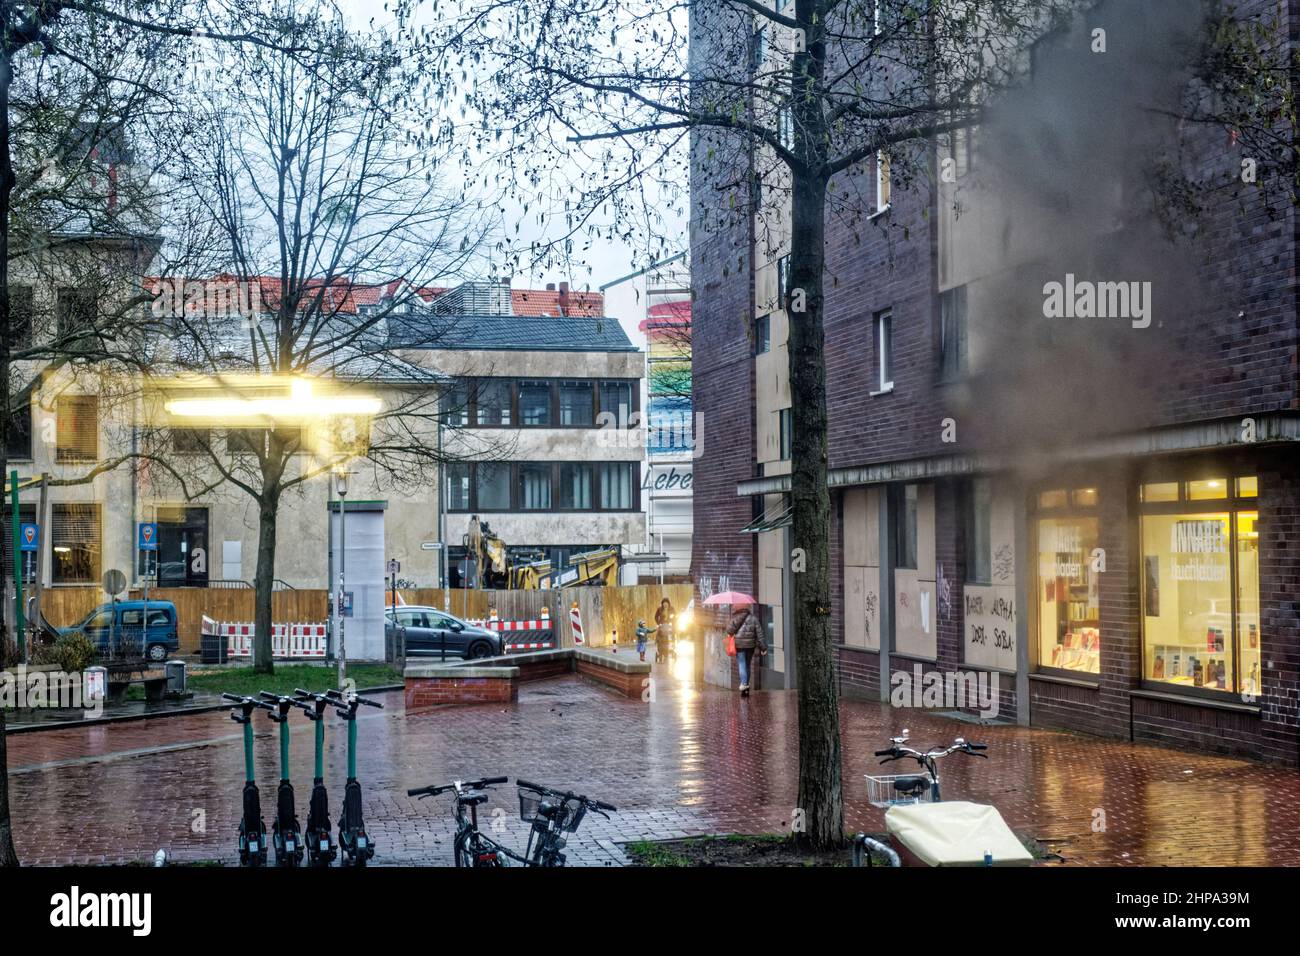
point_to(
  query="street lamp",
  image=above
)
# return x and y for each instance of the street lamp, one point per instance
(341, 488)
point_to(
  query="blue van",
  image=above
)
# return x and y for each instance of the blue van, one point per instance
(139, 629)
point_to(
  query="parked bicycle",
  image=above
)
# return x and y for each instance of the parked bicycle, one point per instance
(551, 813)
(910, 788)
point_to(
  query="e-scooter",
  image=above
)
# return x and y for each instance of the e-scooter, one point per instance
(286, 835)
(357, 847)
(252, 831)
(320, 838)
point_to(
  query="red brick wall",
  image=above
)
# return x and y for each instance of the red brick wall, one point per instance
(629, 685)
(422, 692)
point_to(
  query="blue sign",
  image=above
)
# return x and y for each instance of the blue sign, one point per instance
(29, 537)
(148, 537)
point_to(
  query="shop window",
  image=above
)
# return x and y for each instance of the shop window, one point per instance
(979, 550)
(1068, 594)
(1200, 594)
(74, 543)
(575, 486)
(1207, 490)
(1160, 491)
(904, 514)
(77, 429)
(577, 404)
(535, 487)
(535, 403)
(492, 486)
(1247, 487)
(616, 482)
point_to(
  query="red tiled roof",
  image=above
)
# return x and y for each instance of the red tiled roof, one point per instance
(548, 302)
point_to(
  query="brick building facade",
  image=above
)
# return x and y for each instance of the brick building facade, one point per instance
(1100, 512)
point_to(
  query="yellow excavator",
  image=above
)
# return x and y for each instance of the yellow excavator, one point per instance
(533, 571)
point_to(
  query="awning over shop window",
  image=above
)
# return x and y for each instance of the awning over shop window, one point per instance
(777, 516)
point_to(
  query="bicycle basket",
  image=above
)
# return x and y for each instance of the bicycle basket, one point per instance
(573, 814)
(881, 791)
(529, 801)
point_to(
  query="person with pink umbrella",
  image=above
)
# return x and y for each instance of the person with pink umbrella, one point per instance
(744, 630)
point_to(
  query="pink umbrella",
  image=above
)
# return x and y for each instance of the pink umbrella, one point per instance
(731, 597)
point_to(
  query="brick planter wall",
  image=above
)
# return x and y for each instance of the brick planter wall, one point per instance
(435, 685)
(496, 679)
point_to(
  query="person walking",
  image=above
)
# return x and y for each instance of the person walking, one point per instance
(746, 631)
(665, 618)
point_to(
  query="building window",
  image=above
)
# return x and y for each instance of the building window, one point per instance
(616, 482)
(492, 402)
(576, 480)
(1200, 588)
(884, 337)
(979, 548)
(783, 432)
(577, 404)
(762, 334)
(191, 441)
(453, 405)
(757, 49)
(76, 312)
(1068, 587)
(20, 427)
(904, 517)
(616, 400)
(535, 487)
(20, 317)
(952, 333)
(74, 543)
(492, 486)
(785, 127)
(77, 428)
(783, 282)
(458, 487)
(884, 184)
(535, 403)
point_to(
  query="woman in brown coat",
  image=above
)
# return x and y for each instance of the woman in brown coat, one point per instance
(748, 634)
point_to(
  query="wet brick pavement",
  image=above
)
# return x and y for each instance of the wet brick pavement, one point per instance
(691, 761)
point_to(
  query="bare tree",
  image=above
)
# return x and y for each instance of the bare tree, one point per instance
(327, 206)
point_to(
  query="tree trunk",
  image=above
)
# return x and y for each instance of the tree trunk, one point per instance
(821, 798)
(263, 585)
(8, 856)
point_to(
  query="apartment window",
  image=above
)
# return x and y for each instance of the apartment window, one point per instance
(783, 282)
(76, 311)
(453, 405)
(492, 401)
(762, 334)
(191, 441)
(757, 49)
(576, 480)
(492, 486)
(883, 334)
(535, 403)
(77, 428)
(1200, 588)
(535, 487)
(245, 441)
(577, 404)
(616, 481)
(785, 127)
(884, 185)
(979, 549)
(783, 430)
(616, 399)
(20, 316)
(20, 427)
(952, 333)
(74, 543)
(904, 518)
(458, 486)
(963, 150)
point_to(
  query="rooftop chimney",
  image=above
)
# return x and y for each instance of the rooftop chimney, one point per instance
(564, 298)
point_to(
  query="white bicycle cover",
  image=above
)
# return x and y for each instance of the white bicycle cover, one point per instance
(955, 834)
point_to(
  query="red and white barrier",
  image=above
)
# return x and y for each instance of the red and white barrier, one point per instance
(540, 623)
(288, 641)
(575, 619)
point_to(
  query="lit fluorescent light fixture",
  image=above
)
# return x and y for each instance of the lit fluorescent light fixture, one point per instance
(300, 403)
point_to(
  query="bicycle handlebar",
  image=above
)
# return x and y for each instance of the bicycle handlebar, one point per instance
(432, 791)
(569, 795)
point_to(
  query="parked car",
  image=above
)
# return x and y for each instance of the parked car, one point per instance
(149, 631)
(427, 628)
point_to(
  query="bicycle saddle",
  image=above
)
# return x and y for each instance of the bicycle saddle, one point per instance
(911, 784)
(473, 798)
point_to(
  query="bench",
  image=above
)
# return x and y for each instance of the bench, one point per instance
(155, 689)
